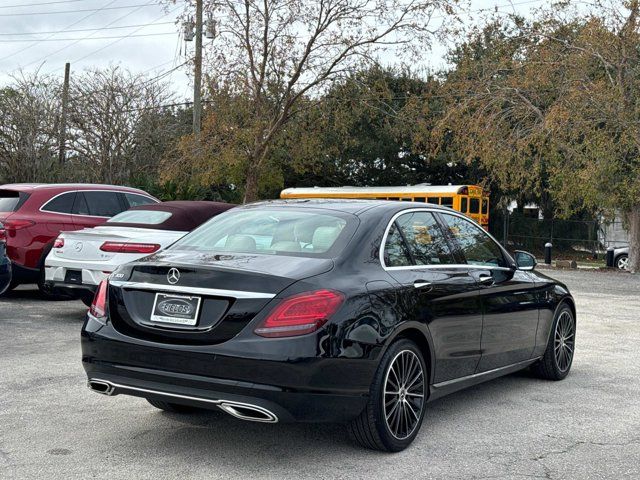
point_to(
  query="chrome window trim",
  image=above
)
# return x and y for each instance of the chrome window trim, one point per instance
(216, 292)
(42, 208)
(435, 267)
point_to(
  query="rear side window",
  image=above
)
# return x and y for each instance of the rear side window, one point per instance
(426, 243)
(11, 201)
(135, 200)
(60, 204)
(477, 247)
(80, 206)
(103, 204)
(395, 250)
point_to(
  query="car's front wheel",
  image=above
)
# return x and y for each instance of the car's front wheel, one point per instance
(558, 357)
(622, 262)
(394, 413)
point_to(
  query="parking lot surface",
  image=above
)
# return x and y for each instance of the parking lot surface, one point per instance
(587, 426)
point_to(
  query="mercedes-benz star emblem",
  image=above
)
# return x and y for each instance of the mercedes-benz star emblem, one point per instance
(173, 276)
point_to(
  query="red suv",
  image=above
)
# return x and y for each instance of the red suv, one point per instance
(34, 214)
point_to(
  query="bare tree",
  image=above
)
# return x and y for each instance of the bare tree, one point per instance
(28, 129)
(275, 52)
(107, 108)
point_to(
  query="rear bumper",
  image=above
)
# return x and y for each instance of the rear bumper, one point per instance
(71, 290)
(91, 278)
(303, 390)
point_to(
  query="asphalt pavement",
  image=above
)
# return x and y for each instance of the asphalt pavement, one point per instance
(587, 426)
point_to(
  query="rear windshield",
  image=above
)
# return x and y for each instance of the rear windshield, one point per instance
(10, 200)
(145, 217)
(277, 231)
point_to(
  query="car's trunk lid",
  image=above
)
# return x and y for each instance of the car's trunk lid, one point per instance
(225, 291)
(84, 245)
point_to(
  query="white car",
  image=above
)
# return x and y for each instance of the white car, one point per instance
(81, 259)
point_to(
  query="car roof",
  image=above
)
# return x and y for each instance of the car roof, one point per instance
(29, 187)
(186, 215)
(353, 206)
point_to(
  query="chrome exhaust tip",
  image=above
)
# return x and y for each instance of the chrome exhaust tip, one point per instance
(100, 386)
(252, 413)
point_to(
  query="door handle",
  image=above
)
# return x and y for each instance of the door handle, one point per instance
(421, 285)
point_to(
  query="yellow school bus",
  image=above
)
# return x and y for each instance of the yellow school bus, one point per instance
(471, 200)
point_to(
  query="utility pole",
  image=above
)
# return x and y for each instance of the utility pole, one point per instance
(197, 80)
(63, 116)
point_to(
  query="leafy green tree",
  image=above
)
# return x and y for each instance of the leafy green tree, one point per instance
(550, 109)
(277, 54)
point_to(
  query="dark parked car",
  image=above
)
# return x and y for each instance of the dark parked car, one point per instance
(34, 215)
(5, 263)
(339, 311)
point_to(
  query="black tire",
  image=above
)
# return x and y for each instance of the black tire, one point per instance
(552, 366)
(370, 429)
(10, 287)
(172, 407)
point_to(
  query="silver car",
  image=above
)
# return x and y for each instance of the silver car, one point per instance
(621, 258)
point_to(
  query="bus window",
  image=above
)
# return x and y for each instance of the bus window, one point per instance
(464, 204)
(447, 202)
(485, 206)
(407, 199)
(394, 198)
(434, 200)
(419, 199)
(474, 205)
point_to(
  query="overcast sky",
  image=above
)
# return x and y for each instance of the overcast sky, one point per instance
(47, 33)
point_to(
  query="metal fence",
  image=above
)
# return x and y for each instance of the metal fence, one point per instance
(518, 231)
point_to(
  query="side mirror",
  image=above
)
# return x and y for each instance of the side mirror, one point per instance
(524, 260)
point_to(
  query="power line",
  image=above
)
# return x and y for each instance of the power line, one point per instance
(83, 29)
(122, 7)
(111, 37)
(88, 36)
(68, 26)
(126, 36)
(38, 4)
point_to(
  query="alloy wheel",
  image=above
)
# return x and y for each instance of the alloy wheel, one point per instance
(564, 341)
(404, 394)
(623, 263)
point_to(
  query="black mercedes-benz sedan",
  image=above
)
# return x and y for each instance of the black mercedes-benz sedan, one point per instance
(341, 311)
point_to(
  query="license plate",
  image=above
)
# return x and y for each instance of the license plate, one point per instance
(176, 309)
(73, 276)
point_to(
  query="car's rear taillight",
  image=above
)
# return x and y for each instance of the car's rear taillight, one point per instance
(120, 247)
(3, 234)
(17, 224)
(300, 314)
(99, 305)
(58, 243)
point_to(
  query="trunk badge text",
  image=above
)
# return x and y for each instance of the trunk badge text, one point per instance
(173, 276)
